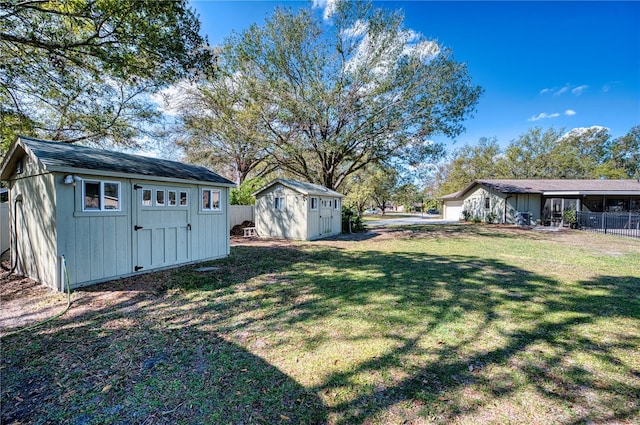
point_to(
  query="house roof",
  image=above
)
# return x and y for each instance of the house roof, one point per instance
(65, 157)
(556, 186)
(302, 187)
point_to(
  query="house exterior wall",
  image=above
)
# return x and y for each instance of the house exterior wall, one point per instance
(524, 202)
(33, 223)
(290, 222)
(475, 204)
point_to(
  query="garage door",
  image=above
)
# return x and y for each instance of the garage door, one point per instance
(452, 210)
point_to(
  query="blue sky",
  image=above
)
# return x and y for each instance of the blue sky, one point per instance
(541, 64)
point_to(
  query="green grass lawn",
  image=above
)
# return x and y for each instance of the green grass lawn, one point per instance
(436, 324)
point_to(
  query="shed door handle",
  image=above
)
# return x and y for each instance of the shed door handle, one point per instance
(136, 227)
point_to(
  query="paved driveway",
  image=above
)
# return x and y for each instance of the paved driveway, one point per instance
(403, 221)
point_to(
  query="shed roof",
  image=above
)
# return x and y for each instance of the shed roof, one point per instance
(58, 156)
(302, 187)
(550, 186)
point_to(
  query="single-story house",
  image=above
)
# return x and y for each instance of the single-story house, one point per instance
(297, 210)
(90, 215)
(543, 200)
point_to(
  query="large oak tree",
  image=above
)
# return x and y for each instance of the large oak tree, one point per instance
(323, 99)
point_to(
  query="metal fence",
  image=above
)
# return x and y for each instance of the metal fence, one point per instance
(621, 224)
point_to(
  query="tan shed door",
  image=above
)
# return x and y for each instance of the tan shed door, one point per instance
(161, 228)
(326, 216)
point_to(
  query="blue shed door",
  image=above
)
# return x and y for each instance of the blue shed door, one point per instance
(161, 226)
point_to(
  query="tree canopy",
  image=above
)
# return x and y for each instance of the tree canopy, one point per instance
(80, 69)
(581, 153)
(322, 100)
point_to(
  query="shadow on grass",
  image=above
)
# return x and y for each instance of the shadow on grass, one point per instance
(460, 334)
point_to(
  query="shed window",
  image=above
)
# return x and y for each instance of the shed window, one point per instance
(146, 197)
(172, 198)
(314, 203)
(336, 204)
(160, 198)
(183, 199)
(487, 203)
(100, 196)
(211, 200)
(278, 203)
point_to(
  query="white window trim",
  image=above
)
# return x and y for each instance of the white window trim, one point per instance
(101, 200)
(164, 198)
(180, 192)
(211, 192)
(312, 207)
(275, 203)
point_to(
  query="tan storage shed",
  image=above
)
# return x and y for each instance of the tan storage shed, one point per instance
(297, 210)
(109, 214)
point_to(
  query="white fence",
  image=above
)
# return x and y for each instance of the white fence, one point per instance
(4, 226)
(241, 213)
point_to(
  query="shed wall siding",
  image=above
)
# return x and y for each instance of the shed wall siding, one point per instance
(290, 222)
(96, 245)
(36, 224)
(210, 230)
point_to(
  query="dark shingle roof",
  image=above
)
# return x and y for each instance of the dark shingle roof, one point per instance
(64, 155)
(551, 185)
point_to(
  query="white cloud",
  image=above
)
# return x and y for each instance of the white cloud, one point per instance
(329, 7)
(569, 112)
(543, 115)
(575, 90)
(579, 90)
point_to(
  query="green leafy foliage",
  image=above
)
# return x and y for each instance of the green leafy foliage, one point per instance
(82, 69)
(243, 194)
(351, 222)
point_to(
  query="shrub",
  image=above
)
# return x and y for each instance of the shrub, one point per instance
(356, 221)
(476, 219)
(466, 215)
(491, 218)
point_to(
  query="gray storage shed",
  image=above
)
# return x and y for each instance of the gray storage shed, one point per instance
(297, 210)
(109, 214)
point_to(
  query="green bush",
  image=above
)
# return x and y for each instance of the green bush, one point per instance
(476, 219)
(491, 218)
(356, 221)
(466, 215)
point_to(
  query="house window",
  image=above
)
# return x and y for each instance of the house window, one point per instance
(487, 203)
(211, 200)
(183, 199)
(146, 197)
(100, 196)
(160, 198)
(278, 203)
(314, 203)
(172, 198)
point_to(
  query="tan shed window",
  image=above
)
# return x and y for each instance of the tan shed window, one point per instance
(172, 198)
(100, 196)
(146, 197)
(211, 200)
